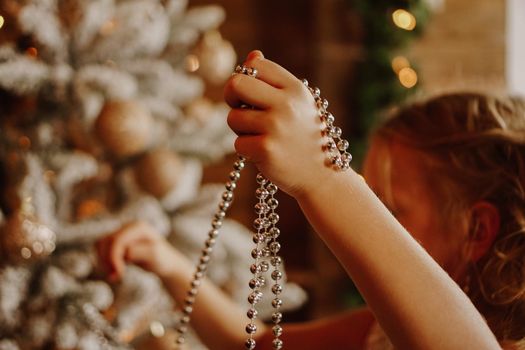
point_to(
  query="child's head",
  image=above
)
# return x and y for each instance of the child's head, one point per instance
(453, 170)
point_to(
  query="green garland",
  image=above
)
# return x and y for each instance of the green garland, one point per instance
(376, 86)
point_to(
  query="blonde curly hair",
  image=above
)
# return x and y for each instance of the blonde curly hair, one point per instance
(475, 146)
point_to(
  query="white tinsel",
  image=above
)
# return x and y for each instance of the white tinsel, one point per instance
(23, 75)
(98, 293)
(141, 24)
(39, 327)
(40, 22)
(14, 284)
(8, 344)
(175, 8)
(55, 283)
(66, 336)
(95, 13)
(204, 18)
(77, 263)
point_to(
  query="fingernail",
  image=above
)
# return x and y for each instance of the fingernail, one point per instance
(255, 53)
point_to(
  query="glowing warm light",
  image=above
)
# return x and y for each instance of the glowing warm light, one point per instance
(107, 27)
(157, 329)
(407, 77)
(24, 142)
(404, 19)
(399, 62)
(25, 252)
(192, 63)
(32, 51)
(1, 22)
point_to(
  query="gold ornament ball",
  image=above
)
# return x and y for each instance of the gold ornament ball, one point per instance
(124, 127)
(158, 171)
(23, 238)
(216, 57)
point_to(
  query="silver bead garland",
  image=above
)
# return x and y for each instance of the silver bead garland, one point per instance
(267, 247)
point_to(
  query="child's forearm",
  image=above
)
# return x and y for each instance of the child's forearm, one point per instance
(218, 320)
(415, 301)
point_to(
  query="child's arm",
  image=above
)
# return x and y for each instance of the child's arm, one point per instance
(416, 302)
(217, 319)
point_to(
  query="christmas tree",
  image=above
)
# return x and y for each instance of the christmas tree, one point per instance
(104, 121)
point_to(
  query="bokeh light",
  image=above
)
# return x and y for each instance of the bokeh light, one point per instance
(192, 63)
(399, 62)
(1, 21)
(404, 19)
(407, 77)
(32, 51)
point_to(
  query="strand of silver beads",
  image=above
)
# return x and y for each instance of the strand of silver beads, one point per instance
(202, 267)
(336, 147)
(265, 237)
(266, 248)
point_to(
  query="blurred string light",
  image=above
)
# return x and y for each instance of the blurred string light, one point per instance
(192, 63)
(32, 52)
(404, 19)
(1, 21)
(407, 76)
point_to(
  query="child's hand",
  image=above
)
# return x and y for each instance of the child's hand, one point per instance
(140, 244)
(282, 133)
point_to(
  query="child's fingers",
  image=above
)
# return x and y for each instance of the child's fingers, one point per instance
(246, 121)
(252, 147)
(269, 71)
(138, 253)
(242, 89)
(121, 240)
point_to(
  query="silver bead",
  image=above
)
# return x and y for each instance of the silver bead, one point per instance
(185, 319)
(272, 188)
(210, 242)
(277, 344)
(273, 218)
(305, 82)
(188, 309)
(195, 283)
(249, 344)
(207, 251)
(202, 267)
(193, 292)
(223, 206)
(257, 253)
(331, 145)
(254, 268)
(277, 330)
(329, 118)
(258, 238)
(238, 165)
(254, 297)
(216, 224)
(277, 317)
(335, 132)
(316, 92)
(325, 103)
(342, 145)
(346, 157)
(276, 261)
(261, 180)
(251, 328)
(277, 275)
(261, 193)
(252, 314)
(266, 252)
(272, 203)
(189, 300)
(235, 175)
(227, 196)
(262, 281)
(275, 247)
(277, 289)
(274, 232)
(254, 283)
(219, 215)
(213, 233)
(198, 275)
(182, 329)
(261, 208)
(264, 266)
(277, 303)
(205, 259)
(259, 223)
(180, 340)
(231, 186)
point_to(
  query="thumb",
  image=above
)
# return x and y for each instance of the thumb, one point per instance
(255, 54)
